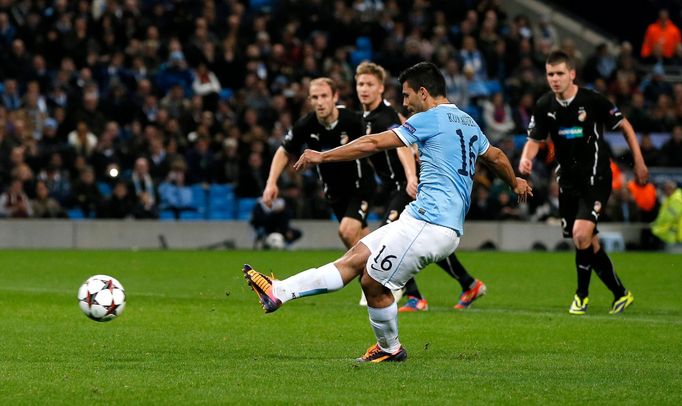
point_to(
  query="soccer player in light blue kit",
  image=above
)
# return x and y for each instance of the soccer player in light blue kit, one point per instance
(427, 231)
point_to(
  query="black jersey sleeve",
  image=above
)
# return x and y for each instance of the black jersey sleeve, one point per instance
(295, 138)
(537, 127)
(607, 112)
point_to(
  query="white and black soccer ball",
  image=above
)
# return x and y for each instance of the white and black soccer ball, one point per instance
(275, 241)
(102, 298)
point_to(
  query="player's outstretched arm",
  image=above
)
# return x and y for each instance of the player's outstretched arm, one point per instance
(279, 162)
(496, 160)
(359, 148)
(641, 171)
(530, 151)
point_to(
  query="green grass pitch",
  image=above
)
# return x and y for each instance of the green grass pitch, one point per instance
(193, 333)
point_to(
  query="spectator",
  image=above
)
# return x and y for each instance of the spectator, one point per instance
(456, 85)
(159, 160)
(120, 205)
(14, 203)
(252, 177)
(644, 197)
(668, 223)
(663, 33)
(143, 190)
(651, 154)
(523, 112)
(206, 85)
(600, 65)
(10, 95)
(497, 118)
(56, 180)
(275, 219)
(227, 162)
(45, 206)
(86, 195)
(173, 193)
(672, 149)
(549, 210)
(82, 140)
(480, 206)
(545, 32)
(200, 161)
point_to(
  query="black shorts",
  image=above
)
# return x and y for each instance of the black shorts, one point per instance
(583, 200)
(397, 201)
(353, 206)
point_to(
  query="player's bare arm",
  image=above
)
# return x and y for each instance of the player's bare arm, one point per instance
(641, 170)
(406, 156)
(496, 160)
(530, 151)
(359, 148)
(279, 162)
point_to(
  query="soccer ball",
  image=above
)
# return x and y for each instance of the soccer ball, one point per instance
(102, 298)
(275, 241)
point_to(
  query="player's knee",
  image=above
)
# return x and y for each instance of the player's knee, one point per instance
(581, 239)
(348, 235)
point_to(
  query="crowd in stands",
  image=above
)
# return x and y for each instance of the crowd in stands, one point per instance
(134, 108)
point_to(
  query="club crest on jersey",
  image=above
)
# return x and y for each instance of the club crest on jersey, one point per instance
(392, 216)
(409, 127)
(344, 138)
(582, 114)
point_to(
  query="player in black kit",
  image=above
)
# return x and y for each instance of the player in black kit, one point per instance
(397, 171)
(575, 118)
(348, 186)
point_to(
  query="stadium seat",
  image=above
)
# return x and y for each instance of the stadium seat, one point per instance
(191, 215)
(221, 214)
(104, 189)
(362, 52)
(75, 214)
(166, 215)
(245, 207)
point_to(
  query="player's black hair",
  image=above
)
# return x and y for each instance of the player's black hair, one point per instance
(426, 75)
(557, 57)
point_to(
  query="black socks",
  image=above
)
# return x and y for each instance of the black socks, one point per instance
(454, 268)
(604, 268)
(583, 265)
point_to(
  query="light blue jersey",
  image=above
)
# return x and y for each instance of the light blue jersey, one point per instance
(449, 142)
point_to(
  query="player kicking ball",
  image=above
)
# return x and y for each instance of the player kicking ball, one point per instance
(428, 230)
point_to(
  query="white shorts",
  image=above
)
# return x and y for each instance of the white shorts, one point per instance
(402, 248)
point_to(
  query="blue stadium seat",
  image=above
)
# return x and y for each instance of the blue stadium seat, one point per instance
(245, 207)
(221, 214)
(75, 214)
(221, 199)
(363, 51)
(191, 215)
(166, 215)
(104, 189)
